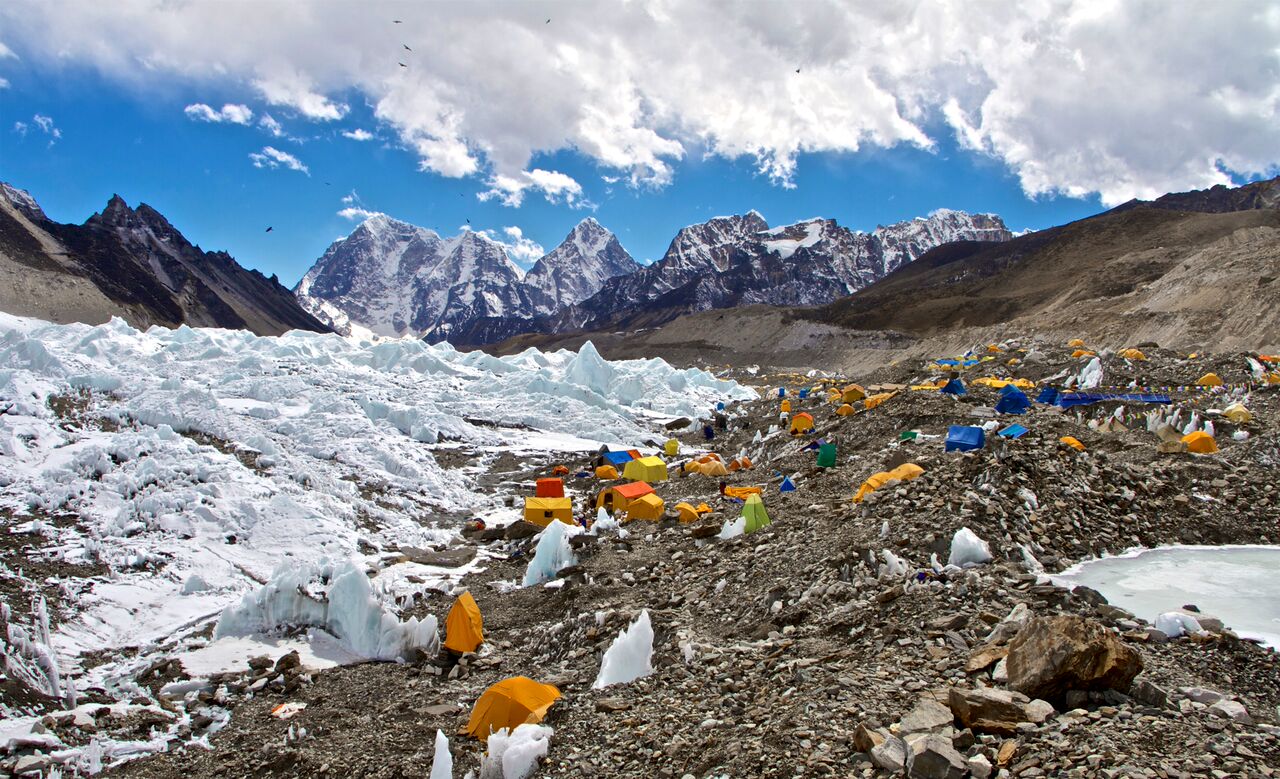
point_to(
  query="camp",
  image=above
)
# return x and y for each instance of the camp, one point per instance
(560, 470)
(741, 493)
(1200, 442)
(606, 472)
(833, 396)
(753, 511)
(801, 423)
(853, 393)
(845, 410)
(740, 464)
(827, 456)
(1132, 354)
(464, 628)
(671, 447)
(550, 488)
(509, 704)
(954, 387)
(616, 498)
(648, 507)
(646, 469)
(540, 511)
(1072, 442)
(708, 468)
(1209, 380)
(690, 513)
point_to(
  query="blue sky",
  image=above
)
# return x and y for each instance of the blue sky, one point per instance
(647, 117)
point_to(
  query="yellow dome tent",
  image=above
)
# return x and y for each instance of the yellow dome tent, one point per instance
(801, 423)
(541, 511)
(510, 703)
(648, 507)
(1209, 380)
(1200, 442)
(785, 407)
(671, 447)
(853, 393)
(1237, 413)
(1082, 353)
(845, 410)
(691, 513)
(1075, 343)
(464, 628)
(1133, 354)
(606, 472)
(648, 469)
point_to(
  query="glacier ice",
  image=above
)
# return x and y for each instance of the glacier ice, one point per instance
(551, 553)
(630, 656)
(515, 754)
(442, 761)
(968, 549)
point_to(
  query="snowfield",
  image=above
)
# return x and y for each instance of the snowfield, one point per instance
(193, 474)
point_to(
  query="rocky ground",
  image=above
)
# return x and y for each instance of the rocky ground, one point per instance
(795, 650)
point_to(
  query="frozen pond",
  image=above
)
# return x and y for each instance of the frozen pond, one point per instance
(1237, 584)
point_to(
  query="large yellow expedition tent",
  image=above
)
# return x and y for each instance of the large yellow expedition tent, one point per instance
(510, 703)
(648, 507)
(542, 511)
(648, 469)
(617, 498)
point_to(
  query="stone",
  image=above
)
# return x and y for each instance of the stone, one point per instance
(890, 754)
(988, 710)
(1051, 655)
(440, 710)
(287, 661)
(30, 764)
(1202, 695)
(454, 557)
(1089, 595)
(933, 757)
(980, 766)
(1143, 691)
(1006, 753)
(612, 705)
(928, 716)
(520, 529)
(943, 624)
(865, 739)
(981, 658)
(1232, 710)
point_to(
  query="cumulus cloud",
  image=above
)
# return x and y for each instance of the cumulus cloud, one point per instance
(271, 157)
(1073, 96)
(519, 248)
(358, 134)
(356, 212)
(42, 123)
(6, 52)
(555, 186)
(20, 128)
(233, 113)
(4, 82)
(271, 125)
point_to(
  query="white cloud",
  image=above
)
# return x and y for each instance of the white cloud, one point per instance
(20, 128)
(271, 157)
(350, 198)
(555, 186)
(1074, 96)
(44, 124)
(356, 212)
(358, 134)
(522, 250)
(4, 82)
(271, 125)
(234, 113)
(6, 52)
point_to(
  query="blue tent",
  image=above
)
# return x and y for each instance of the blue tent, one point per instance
(1014, 402)
(782, 392)
(955, 387)
(787, 485)
(1048, 395)
(618, 459)
(1086, 398)
(1008, 388)
(1014, 431)
(804, 393)
(961, 438)
(720, 406)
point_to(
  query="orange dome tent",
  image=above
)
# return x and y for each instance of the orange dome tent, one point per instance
(464, 628)
(801, 423)
(1200, 442)
(509, 704)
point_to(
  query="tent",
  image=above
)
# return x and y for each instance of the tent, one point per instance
(994, 348)
(541, 511)
(827, 456)
(785, 407)
(1075, 343)
(741, 493)
(845, 410)
(961, 438)
(690, 513)
(872, 401)
(833, 396)
(618, 459)
(853, 393)
(1048, 395)
(1013, 431)
(1200, 442)
(464, 628)
(1209, 380)
(550, 488)
(560, 470)
(801, 423)
(671, 447)
(1132, 354)
(955, 387)
(646, 469)
(1082, 353)
(741, 464)
(904, 472)
(782, 392)
(1013, 402)
(1237, 413)
(509, 704)
(648, 507)
(615, 499)
(1069, 399)
(787, 485)
(606, 472)
(753, 511)
(1072, 442)
(804, 393)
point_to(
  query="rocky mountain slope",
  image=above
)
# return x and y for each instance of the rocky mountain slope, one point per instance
(739, 260)
(134, 264)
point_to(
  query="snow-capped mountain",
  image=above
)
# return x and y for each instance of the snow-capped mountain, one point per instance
(393, 278)
(134, 264)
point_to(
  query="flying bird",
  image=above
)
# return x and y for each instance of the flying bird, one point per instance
(269, 229)
(401, 64)
(468, 221)
(395, 21)
(406, 47)
(797, 70)
(548, 21)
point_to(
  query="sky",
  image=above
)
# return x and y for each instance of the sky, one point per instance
(521, 118)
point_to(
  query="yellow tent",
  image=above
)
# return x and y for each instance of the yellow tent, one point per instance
(606, 472)
(541, 511)
(671, 447)
(464, 628)
(833, 396)
(742, 493)
(616, 498)
(785, 407)
(875, 400)
(509, 704)
(1237, 413)
(1075, 343)
(994, 383)
(994, 348)
(904, 472)
(1209, 380)
(801, 423)
(741, 464)
(1273, 378)
(1200, 442)
(645, 507)
(1072, 442)
(845, 410)
(648, 469)
(1013, 361)
(1082, 353)
(853, 393)
(1132, 354)
(691, 513)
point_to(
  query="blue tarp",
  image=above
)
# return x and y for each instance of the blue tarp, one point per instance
(618, 459)
(1014, 431)
(955, 387)
(1048, 395)
(961, 438)
(952, 363)
(1067, 400)
(1014, 402)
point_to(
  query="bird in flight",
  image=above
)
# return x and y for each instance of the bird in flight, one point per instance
(797, 70)
(395, 21)
(269, 229)
(401, 64)
(548, 21)
(406, 47)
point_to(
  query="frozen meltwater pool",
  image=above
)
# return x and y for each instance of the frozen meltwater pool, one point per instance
(1237, 584)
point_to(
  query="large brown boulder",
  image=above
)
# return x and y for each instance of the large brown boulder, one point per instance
(1051, 655)
(988, 710)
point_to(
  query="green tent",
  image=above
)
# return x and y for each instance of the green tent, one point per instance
(827, 456)
(753, 511)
